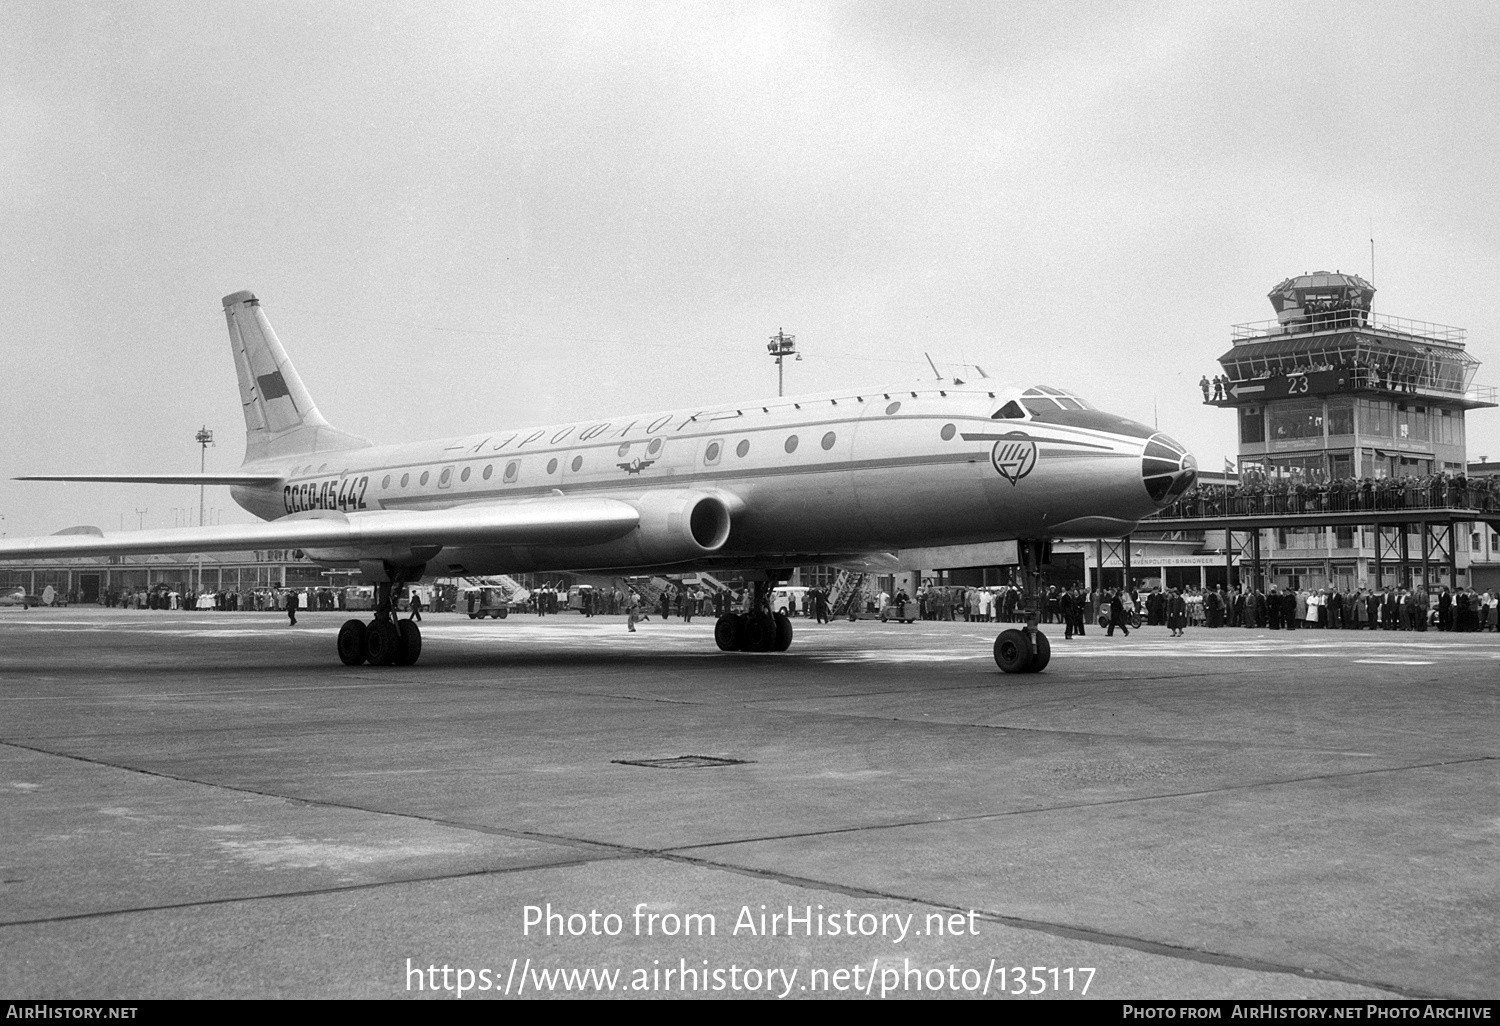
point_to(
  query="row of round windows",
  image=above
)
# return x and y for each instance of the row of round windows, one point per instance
(710, 455)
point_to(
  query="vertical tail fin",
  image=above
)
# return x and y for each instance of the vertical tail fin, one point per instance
(281, 419)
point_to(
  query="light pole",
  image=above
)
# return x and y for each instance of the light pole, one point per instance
(781, 346)
(204, 438)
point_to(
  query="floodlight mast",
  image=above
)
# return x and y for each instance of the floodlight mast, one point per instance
(781, 346)
(204, 438)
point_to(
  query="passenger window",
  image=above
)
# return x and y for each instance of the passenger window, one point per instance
(512, 470)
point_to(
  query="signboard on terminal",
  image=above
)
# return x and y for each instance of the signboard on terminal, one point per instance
(1293, 385)
(1147, 562)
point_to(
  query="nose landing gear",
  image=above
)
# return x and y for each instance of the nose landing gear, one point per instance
(1027, 650)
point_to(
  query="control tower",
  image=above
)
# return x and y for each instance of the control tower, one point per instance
(1332, 399)
(1330, 390)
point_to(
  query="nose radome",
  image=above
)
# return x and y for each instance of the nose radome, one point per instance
(1167, 468)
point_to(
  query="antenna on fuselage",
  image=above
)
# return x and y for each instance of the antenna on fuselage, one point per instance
(935, 372)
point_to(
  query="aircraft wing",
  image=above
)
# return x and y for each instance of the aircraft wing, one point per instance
(166, 479)
(582, 520)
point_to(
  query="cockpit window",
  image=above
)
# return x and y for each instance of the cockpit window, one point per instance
(1040, 400)
(1010, 411)
(1048, 413)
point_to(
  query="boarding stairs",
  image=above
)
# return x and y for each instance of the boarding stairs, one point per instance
(847, 593)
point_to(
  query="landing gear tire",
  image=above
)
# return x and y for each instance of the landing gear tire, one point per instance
(1013, 652)
(410, 646)
(382, 642)
(729, 633)
(352, 642)
(1041, 654)
(783, 633)
(760, 633)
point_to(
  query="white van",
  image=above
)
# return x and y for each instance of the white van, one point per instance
(782, 599)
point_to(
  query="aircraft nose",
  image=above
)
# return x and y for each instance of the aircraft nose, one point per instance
(1167, 469)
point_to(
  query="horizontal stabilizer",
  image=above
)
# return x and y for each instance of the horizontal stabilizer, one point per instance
(166, 479)
(583, 520)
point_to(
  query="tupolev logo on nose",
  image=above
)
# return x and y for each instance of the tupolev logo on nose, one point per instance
(1014, 456)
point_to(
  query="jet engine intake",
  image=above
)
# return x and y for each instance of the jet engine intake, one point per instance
(680, 524)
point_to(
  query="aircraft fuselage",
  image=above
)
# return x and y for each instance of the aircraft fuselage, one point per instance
(806, 479)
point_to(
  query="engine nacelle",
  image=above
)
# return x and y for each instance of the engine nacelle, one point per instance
(678, 526)
(675, 526)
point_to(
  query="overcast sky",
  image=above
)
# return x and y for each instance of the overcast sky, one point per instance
(461, 216)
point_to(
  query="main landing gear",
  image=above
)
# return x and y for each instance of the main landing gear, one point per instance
(759, 630)
(385, 640)
(1027, 650)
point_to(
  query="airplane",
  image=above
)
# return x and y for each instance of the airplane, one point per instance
(15, 597)
(873, 478)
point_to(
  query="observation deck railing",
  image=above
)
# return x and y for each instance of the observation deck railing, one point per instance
(1348, 320)
(1386, 495)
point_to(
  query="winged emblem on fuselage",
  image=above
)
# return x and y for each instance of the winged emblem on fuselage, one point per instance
(635, 466)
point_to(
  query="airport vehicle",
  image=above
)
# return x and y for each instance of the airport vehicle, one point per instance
(759, 487)
(789, 597)
(482, 602)
(902, 612)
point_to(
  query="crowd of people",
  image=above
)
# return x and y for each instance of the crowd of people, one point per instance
(1260, 493)
(1276, 608)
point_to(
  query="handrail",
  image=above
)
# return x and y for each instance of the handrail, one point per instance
(1347, 320)
(1215, 502)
